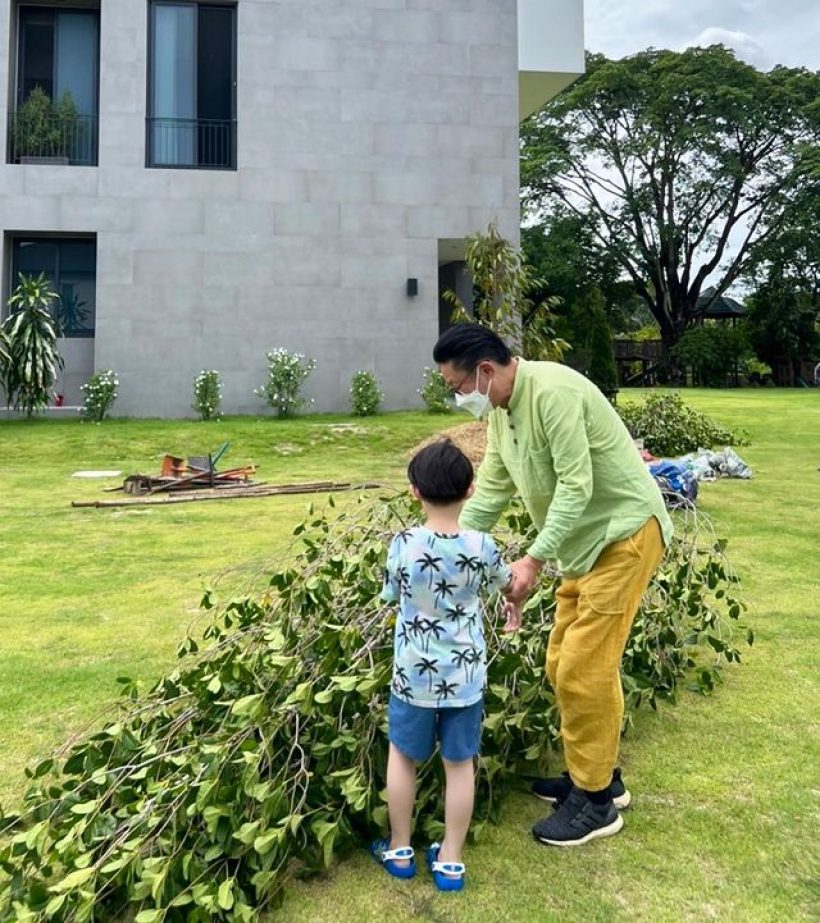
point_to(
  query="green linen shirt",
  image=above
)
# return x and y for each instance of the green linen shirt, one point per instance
(561, 445)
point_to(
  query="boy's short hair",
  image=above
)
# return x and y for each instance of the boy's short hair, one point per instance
(441, 472)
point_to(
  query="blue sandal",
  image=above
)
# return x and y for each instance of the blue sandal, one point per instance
(381, 852)
(448, 876)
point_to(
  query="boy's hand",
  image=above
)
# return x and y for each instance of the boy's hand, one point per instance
(512, 614)
(525, 573)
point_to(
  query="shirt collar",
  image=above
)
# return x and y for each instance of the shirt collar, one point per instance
(518, 385)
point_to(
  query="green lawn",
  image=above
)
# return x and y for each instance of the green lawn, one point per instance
(725, 816)
(92, 594)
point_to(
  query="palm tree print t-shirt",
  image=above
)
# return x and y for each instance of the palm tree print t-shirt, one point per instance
(439, 656)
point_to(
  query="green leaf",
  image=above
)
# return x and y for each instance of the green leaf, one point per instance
(326, 832)
(74, 880)
(264, 844)
(247, 832)
(149, 916)
(247, 705)
(86, 807)
(224, 896)
(54, 906)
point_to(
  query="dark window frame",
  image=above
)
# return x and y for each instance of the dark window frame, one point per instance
(15, 238)
(17, 61)
(149, 88)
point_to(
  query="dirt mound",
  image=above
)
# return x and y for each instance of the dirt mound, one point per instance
(471, 438)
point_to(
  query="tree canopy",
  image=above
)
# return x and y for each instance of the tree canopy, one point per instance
(783, 312)
(684, 164)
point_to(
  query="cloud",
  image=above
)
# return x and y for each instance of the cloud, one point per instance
(762, 32)
(746, 47)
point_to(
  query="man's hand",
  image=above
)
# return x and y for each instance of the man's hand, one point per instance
(525, 576)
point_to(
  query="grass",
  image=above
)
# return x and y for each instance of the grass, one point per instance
(89, 595)
(726, 801)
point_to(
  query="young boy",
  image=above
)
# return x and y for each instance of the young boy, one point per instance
(437, 572)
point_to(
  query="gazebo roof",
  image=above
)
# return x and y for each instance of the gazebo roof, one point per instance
(721, 307)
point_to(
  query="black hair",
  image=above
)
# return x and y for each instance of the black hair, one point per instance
(441, 472)
(465, 345)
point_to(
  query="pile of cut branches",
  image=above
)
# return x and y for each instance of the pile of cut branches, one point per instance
(262, 756)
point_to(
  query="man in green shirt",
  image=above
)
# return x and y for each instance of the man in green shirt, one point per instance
(553, 438)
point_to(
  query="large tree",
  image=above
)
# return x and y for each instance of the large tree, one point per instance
(685, 163)
(784, 308)
(565, 253)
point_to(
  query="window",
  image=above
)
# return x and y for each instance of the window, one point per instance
(56, 90)
(192, 86)
(71, 265)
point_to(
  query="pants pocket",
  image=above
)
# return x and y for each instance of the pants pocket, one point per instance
(608, 587)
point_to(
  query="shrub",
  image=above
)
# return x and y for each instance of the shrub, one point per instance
(757, 372)
(29, 359)
(99, 393)
(669, 427)
(267, 751)
(287, 373)
(207, 395)
(365, 394)
(435, 393)
(601, 356)
(712, 352)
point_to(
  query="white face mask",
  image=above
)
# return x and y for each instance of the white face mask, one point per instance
(475, 402)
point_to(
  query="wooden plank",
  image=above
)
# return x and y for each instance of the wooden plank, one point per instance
(228, 493)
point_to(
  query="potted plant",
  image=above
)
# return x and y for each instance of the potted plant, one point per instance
(45, 131)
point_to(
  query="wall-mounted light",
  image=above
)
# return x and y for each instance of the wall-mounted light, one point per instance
(412, 287)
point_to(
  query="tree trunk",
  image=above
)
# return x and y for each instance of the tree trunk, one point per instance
(671, 331)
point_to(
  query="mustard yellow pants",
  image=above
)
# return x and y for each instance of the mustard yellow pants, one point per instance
(593, 616)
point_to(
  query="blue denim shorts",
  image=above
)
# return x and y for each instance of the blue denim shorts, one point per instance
(414, 730)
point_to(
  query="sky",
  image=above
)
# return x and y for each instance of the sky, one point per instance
(761, 32)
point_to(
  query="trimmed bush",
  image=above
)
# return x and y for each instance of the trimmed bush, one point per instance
(435, 393)
(287, 373)
(99, 394)
(208, 395)
(365, 394)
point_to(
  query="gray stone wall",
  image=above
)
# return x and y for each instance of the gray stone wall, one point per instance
(368, 130)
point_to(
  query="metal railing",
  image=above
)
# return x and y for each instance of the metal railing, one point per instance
(53, 139)
(200, 144)
(637, 349)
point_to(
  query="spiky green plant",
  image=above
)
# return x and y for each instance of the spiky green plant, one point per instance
(31, 330)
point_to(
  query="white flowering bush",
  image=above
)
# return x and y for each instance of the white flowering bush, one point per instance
(365, 394)
(99, 393)
(287, 373)
(435, 393)
(208, 395)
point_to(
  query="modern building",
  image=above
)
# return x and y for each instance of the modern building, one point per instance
(206, 181)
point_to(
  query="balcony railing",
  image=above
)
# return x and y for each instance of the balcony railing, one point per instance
(198, 144)
(53, 139)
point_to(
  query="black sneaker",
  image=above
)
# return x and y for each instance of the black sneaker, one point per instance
(557, 788)
(577, 821)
